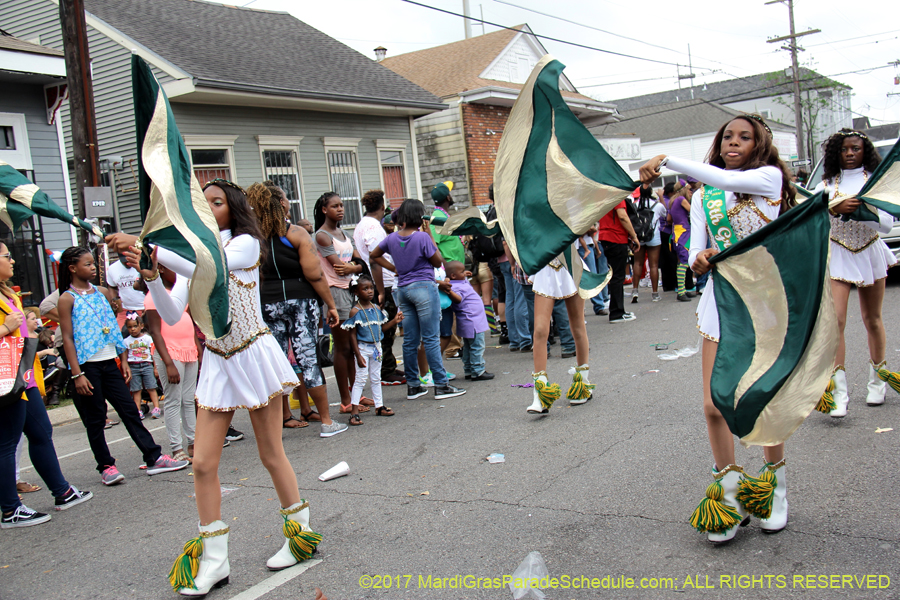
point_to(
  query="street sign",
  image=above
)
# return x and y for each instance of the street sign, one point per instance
(800, 163)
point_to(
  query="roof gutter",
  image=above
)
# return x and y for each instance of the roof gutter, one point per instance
(275, 91)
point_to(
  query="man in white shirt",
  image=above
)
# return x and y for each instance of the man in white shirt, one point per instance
(368, 233)
(121, 279)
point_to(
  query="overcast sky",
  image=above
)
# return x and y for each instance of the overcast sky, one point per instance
(727, 39)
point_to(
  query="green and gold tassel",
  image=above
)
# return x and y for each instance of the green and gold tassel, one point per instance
(548, 393)
(889, 377)
(757, 493)
(302, 543)
(579, 390)
(186, 565)
(826, 402)
(711, 515)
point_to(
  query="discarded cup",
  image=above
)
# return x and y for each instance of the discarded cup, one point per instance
(338, 470)
(496, 457)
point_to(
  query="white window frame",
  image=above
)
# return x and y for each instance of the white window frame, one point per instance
(283, 142)
(213, 142)
(393, 146)
(338, 144)
(20, 158)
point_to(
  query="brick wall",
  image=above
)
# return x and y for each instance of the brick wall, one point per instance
(482, 125)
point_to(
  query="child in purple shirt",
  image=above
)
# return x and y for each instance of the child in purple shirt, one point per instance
(471, 321)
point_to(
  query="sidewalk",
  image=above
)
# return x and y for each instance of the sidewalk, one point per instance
(63, 415)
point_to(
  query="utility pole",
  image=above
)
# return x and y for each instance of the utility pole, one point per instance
(85, 150)
(795, 73)
(690, 74)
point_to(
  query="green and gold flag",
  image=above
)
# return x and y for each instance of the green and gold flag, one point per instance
(882, 189)
(778, 327)
(21, 199)
(470, 221)
(175, 212)
(552, 179)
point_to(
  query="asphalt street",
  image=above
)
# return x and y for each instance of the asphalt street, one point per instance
(603, 491)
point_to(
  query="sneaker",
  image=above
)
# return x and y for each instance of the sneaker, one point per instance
(504, 339)
(628, 281)
(426, 381)
(23, 517)
(142, 415)
(166, 463)
(72, 497)
(567, 354)
(393, 379)
(450, 376)
(624, 318)
(655, 296)
(226, 443)
(156, 413)
(683, 298)
(415, 391)
(233, 435)
(333, 429)
(601, 313)
(526, 348)
(485, 376)
(634, 297)
(111, 476)
(457, 355)
(447, 391)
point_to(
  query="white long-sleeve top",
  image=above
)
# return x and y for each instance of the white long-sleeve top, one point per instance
(763, 185)
(850, 181)
(241, 253)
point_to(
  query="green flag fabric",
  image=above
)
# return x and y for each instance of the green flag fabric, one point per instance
(21, 199)
(552, 179)
(175, 212)
(882, 189)
(469, 222)
(778, 326)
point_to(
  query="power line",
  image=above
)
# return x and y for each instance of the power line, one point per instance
(851, 39)
(545, 37)
(625, 37)
(624, 82)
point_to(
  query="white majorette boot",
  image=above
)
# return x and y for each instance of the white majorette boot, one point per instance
(581, 389)
(720, 514)
(301, 541)
(765, 498)
(841, 399)
(204, 563)
(877, 387)
(545, 394)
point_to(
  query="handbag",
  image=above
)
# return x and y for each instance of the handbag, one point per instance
(16, 361)
(325, 350)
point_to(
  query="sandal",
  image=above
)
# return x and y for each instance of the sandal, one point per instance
(349, 408)
(300, 424)
(182, 455)
(366, 401)
(355, 420)
(24, 487)
(312, 416)
(384, 411)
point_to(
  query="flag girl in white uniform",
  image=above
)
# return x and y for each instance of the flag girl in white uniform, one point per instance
(858, 257)
(746, 177)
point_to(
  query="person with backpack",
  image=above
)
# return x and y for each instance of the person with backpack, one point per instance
(616, 234)
(484, 251)
(648, 208)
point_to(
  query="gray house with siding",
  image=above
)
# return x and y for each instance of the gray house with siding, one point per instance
(256, 94)
(32, 80)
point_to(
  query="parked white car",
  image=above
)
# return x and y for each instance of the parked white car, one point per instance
(892, 239)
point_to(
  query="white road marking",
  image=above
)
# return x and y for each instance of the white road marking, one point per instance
(88, 449)
(267, 585)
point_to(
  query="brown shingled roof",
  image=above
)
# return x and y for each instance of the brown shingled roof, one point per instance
(452, 68)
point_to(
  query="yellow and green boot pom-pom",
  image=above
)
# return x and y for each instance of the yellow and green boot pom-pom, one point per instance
(302, 543)
(826, 402)
(186, 565)
(548, 393)
(579, 390)
(757, 493)
(711, 515)
(889, 377)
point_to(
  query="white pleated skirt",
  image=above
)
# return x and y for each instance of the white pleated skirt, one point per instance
(552, 283)
(864, 268)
